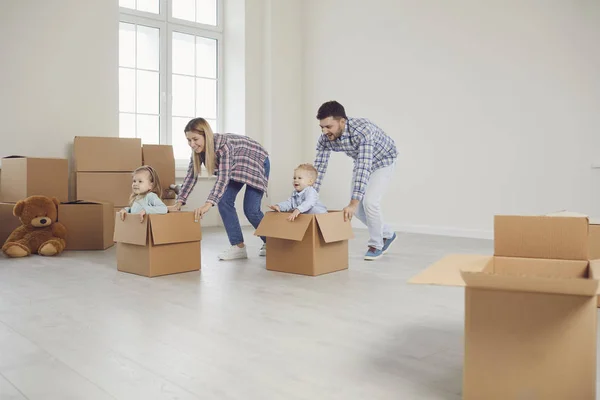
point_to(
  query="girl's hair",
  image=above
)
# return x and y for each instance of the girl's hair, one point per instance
(201, 127)
(310, 169)
(156, 187)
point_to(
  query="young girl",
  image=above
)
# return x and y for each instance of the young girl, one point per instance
(145, 196)
(237, 160)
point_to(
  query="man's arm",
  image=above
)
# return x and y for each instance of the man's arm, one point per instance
(321, 161)
(364, 162)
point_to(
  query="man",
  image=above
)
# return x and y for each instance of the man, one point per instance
(374, 155)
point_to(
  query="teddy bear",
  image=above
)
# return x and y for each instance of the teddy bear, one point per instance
(40, 231)
(171, 192)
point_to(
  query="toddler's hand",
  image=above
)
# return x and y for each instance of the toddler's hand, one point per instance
(294, 215)
(142, 213)
(275, 208)
(122, 213)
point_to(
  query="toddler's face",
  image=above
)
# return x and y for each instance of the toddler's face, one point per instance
(302, 179)
(141, 183)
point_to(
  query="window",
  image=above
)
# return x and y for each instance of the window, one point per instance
(169, 69)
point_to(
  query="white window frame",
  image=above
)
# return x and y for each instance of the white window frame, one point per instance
(167, 25)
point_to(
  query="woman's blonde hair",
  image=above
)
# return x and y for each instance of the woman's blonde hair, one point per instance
(156, 187)
(201, 127)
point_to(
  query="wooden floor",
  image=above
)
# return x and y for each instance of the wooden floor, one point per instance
(72, 327)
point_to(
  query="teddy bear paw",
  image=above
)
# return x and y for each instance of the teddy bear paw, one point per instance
(50, 248)
(15, 250)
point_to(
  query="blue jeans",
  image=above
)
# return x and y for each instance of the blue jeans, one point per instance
(252, 211)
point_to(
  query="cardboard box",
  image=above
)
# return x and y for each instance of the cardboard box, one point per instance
(161, 158)
(313, 244)
(27, 176)
(110, 187)
(8, 221)
(160, 245)
(106, 154)
(90, 225)
(593, 238)
(530, 310)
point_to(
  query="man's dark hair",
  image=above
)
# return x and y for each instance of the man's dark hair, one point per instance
(331, 109)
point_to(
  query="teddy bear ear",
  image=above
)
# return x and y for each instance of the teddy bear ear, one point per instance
(55, 201)
(18, 208)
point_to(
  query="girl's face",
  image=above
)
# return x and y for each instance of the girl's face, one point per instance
(141, 183)
(195, 141)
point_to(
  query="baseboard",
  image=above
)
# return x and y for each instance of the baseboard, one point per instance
(444, 231)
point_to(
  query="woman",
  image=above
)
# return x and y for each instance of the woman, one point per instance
(236, 160)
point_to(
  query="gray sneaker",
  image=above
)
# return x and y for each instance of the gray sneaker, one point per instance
(263, 250)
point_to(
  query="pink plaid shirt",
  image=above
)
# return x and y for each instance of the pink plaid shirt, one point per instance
(239, 158)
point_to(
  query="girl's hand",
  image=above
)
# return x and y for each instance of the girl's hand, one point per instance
(275, 208)
(122, 214)
(142, 213)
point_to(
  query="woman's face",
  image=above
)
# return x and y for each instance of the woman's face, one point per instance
(195, 141)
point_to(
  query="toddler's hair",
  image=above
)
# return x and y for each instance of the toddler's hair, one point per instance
(156, 188)
(310, 169)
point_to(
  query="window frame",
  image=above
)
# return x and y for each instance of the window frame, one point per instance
(167, 25)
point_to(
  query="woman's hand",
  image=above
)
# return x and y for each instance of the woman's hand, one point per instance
(199, 212)
(175, 207)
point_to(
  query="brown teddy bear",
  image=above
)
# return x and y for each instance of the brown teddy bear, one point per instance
(40, 232)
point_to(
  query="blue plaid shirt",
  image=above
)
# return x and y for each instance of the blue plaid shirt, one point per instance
(366, 143)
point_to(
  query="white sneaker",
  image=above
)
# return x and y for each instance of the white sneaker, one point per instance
(263, 250)
(233, 253)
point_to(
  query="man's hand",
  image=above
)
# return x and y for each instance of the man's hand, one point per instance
(275, 208)
(294, 215)
(199, 212)
(350, 210)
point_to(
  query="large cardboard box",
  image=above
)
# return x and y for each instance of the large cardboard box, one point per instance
(110, 187)
(90, 224)
(313, 244)
(27, 176)
(8, 221)
(160, 245)
(530, 310)
(106, 154)
(161, 158)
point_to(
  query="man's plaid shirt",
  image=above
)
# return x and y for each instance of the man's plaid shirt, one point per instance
(366, 143)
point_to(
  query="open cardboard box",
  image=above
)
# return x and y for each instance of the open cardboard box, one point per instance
(313, 244)
(160, 245)
(530, 310)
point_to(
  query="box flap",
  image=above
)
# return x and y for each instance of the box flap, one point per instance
(536, 284)
(446, 271)
(131, 230)
(275, 225)
(333, 227)
(564, 238)
(174, 227)
(595, 269)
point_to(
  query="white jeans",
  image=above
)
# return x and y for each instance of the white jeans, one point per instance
(369, 208)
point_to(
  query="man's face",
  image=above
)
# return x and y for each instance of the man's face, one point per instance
(332, 128)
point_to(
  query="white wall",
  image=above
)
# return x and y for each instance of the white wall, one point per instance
(59, 74)
(481, 98)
